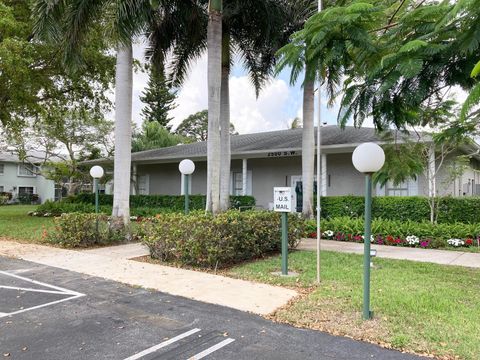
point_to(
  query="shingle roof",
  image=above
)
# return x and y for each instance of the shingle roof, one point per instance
(263, 142)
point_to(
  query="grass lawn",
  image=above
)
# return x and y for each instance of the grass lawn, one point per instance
(421, 307)
(15, 224)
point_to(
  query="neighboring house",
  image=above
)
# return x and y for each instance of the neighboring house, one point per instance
(18, 178)
(262, 161)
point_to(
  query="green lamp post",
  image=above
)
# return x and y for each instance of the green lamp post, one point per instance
(96, 172)
(367, 158)
(186, 167)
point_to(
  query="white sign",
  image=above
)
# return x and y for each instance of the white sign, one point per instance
(282, 199)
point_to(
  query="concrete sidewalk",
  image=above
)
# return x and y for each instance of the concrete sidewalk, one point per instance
(444, 257)
(113, 263)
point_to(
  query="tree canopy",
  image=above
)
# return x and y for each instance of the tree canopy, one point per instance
(195, 127)
(33, 79)
(398, 60)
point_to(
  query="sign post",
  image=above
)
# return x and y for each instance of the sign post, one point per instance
(282, 202)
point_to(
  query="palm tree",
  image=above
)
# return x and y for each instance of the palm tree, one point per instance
(298, 12)
(214, 44)
(250, 28)
(69, 21)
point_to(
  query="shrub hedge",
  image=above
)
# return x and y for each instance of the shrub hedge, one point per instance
(437, 235)
(140, 205)
(174, 202)
(413, 208)
(208, 241)
(52, 208)
(79, 230)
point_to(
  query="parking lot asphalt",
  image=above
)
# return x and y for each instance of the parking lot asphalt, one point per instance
(49, 313)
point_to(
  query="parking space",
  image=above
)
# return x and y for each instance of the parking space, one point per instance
(49, 313)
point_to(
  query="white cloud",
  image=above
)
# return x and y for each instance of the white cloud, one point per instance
(247, 113)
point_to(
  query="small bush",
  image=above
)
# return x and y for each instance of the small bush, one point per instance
(3, 199)
(392, 232)
(27, 199)
(79, 230)
(204, 240)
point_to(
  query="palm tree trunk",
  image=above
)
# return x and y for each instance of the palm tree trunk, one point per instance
(308, 147)
(225, 157)
(214, 41)
(123, 135)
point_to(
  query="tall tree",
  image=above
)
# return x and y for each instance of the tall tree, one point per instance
(61, 140)
(251, 29)
(158, 97)
(298, 13)
(68, 22)
(195, 127)
(214, 43)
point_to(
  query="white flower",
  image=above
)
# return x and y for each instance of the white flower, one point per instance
(372, 238)
(412, 240)
(328, 233)
(456, 242)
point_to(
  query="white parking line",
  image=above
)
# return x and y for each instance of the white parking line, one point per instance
(56, 290)
(211, 349)
(33, 290)
(162, 345)
(65, 291)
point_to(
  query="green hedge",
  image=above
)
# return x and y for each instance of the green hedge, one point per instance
(51, 208)
(204, 240)
(414, 208)
(173, 202)
(385, 231)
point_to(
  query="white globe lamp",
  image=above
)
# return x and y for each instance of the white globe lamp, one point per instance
(368, 158)
(186, 167)
(96, 172)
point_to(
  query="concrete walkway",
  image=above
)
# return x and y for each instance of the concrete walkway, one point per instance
(113, 263)
(444, 257)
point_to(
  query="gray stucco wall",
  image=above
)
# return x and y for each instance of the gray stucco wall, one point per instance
(342, 177)
(266, 174)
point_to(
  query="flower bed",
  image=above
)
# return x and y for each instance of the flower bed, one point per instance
(401, 233)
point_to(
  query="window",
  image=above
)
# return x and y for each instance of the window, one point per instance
(237, 183)
(23, 190)
(27, 170)
(397, 190)
(2, 169)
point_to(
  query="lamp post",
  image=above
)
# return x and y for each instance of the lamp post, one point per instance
(96, 172)
(186, 167)
(367, 158)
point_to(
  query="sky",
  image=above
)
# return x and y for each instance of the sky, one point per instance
(277, 106)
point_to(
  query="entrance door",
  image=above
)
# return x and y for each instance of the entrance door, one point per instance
(297, 186)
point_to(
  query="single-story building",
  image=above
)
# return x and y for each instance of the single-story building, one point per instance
(264, 160)
(18, 179)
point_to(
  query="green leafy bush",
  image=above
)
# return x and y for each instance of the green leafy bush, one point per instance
(437, 235)
(204, 240)
(172, 202)
(28, 199)
(408, 208)
(57, 208)
(79, 230)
